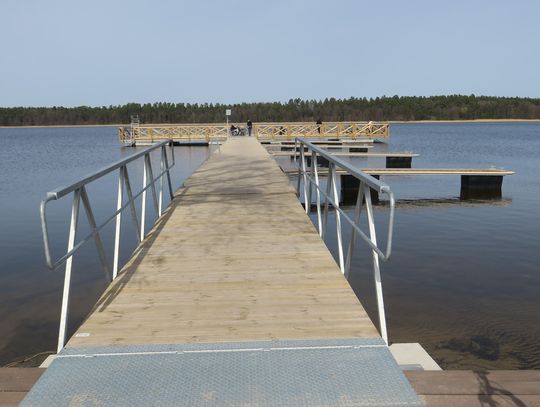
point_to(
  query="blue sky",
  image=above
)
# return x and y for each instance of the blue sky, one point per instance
(70, 52)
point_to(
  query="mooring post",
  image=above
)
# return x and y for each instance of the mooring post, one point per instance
(349, 190)
(481, 186)
(398, 162)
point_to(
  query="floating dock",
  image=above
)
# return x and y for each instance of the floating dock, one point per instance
(204, 134)
(232, 300)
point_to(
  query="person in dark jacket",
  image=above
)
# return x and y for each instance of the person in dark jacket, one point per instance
(249, 126)
(319, 123)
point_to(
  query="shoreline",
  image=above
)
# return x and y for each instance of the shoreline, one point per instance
(384, 121)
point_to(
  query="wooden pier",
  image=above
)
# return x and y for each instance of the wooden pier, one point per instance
(235, 259)
(232, 299)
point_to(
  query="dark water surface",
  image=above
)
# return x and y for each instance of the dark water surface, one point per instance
(464, 276)
(32, 162)
(463, 280)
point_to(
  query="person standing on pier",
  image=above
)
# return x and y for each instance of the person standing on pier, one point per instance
(319, 123)
(249, 126)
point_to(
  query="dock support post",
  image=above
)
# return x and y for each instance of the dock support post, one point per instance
(398, 162)
(349, 190)
(323, 162)
(358, 149)
(481, 186)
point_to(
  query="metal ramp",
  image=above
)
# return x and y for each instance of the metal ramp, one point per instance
(344, 372)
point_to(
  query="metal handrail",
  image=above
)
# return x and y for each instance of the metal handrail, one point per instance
(78, 189)
(366, 184)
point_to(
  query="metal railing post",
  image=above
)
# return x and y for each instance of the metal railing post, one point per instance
(299, 168)
(303, 162)
(143, 199)
(338, 218)
(376, 267)
(161, 169)
(118, 222)
(317, 193)
(67, 274)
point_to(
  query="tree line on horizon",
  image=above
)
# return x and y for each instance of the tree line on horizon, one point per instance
(399, 108)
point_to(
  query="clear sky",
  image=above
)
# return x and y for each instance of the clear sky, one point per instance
(101, 52)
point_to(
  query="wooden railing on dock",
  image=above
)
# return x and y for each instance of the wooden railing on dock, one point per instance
(212, 132)
(338, 130)
(181, 133)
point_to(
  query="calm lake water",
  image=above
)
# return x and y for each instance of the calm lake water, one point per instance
(463, 279)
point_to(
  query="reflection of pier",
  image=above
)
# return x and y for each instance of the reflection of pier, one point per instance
(189, 134)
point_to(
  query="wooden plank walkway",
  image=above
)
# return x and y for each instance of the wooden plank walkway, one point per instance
(235, 259)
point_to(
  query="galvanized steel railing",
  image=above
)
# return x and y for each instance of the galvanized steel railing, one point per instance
(124, 188)
(311, 179)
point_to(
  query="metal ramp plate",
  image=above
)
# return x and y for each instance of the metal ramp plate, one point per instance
(355, 372)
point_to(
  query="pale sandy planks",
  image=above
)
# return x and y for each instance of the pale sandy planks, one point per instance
(236, 259)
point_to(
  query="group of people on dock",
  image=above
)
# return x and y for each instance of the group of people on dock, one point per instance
(239, 131)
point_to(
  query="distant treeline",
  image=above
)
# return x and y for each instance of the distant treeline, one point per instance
(454, 107)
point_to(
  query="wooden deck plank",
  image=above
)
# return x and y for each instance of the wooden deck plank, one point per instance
(235, 259)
